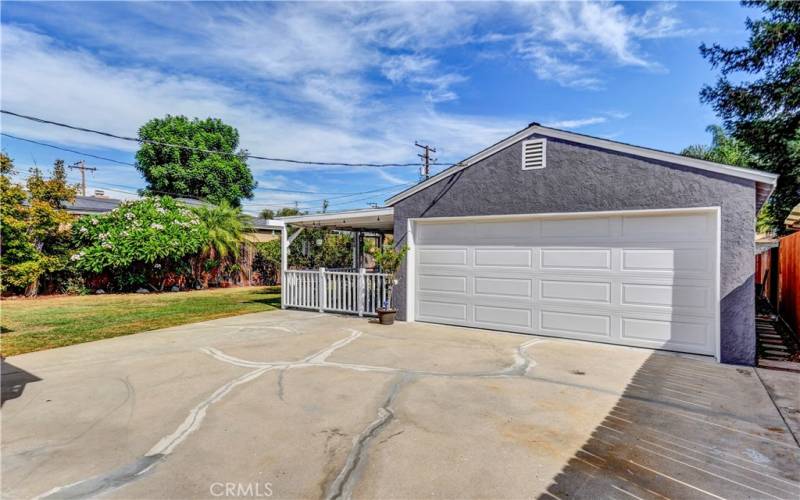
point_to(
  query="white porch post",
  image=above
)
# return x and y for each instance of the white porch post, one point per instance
(284, 264)
(362, 278)
(322, 289)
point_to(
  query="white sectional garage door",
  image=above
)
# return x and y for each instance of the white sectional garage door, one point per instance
(640, 279)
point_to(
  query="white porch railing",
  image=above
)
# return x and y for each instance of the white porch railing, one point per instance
(339, 291)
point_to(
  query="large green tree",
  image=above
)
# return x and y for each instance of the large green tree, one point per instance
(174, 159)
(758, 97)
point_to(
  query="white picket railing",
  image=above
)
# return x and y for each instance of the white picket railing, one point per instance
(339, 291)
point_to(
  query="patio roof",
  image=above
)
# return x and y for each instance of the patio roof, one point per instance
(369, 219)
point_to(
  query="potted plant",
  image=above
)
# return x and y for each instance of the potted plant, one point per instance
(388, 259)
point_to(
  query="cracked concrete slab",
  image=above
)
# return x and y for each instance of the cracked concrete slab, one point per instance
(304, 405)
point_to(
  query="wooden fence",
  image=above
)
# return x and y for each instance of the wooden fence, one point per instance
(778, 271)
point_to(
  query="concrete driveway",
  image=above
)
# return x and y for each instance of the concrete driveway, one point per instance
(295, 404)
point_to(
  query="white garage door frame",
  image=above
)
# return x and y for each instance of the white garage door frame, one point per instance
(414, 223)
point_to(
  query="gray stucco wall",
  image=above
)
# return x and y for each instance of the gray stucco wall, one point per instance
(579, 178)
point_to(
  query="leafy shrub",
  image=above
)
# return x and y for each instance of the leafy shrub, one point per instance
(74, 285)
(138, 241)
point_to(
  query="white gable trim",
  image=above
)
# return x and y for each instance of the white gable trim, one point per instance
(758, 176)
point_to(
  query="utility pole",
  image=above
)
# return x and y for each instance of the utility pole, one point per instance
(425, 172)
(81, 165)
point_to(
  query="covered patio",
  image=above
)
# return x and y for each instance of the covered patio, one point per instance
(359, 289)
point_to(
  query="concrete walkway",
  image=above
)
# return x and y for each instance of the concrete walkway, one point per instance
(292, 404)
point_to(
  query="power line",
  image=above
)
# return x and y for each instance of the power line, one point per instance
(201, 150)
(83, 153)
(67, 149)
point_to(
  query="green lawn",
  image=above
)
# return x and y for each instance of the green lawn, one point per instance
(36, 324)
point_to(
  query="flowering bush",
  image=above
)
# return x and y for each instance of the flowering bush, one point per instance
(150, 235)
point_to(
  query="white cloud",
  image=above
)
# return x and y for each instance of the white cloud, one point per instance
(391, 178)
(304, 80)
(567, 41)
(577, 123)
(44, 79)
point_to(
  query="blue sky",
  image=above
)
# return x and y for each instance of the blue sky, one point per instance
(354, 82)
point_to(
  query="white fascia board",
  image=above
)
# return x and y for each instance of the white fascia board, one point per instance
(522, 134)
(744, 173)
(332, 216)
(760, 176)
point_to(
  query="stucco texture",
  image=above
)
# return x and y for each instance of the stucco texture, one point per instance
(580, 178)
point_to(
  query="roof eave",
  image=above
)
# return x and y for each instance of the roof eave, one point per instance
(767, 179)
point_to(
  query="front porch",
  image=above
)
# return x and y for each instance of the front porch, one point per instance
(360, 289)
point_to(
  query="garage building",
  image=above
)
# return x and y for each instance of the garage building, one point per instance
(555, 233)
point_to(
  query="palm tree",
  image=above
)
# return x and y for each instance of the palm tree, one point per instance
(226, 227)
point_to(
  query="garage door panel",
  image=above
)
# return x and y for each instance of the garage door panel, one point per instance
(442, 310)
(442, 283)
(591, 227)
(633, 280)
(672, 260)
(502, 317)
(679, 333)
(485, 286)
(443, 256)
(669, 227)
(575, 258)
(567, 322)
(522, 233)
(575, 290)
(693, 297)
(503, 257)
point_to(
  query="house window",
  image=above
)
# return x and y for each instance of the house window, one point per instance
(534, 154)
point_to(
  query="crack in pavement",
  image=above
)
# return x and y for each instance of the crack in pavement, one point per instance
(342, 486)
(280, 383)
(107, 482)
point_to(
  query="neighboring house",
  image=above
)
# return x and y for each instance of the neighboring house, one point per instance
(561, 234)
(91, 205)
(100, 203)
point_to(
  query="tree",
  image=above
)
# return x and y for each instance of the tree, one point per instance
(34, 234)
(181, 171)
(139, 241)
(764, 112)
(723, 149)
(267, 261)
(225, 228)
(388, 259)
(267, 214)
(288, 212)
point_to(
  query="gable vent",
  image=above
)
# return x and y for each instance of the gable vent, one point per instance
(533, 154)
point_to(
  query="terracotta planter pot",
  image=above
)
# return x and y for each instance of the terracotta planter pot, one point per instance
(386, 316)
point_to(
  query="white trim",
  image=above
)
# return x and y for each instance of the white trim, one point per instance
(718, 282)
(743, 173)
(332, 216)
(293, 236)
(413, 222)
(541, 141)
(284, 265)
(411, 281)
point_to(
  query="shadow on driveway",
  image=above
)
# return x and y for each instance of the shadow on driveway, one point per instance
(13, 381)
(671, 436)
